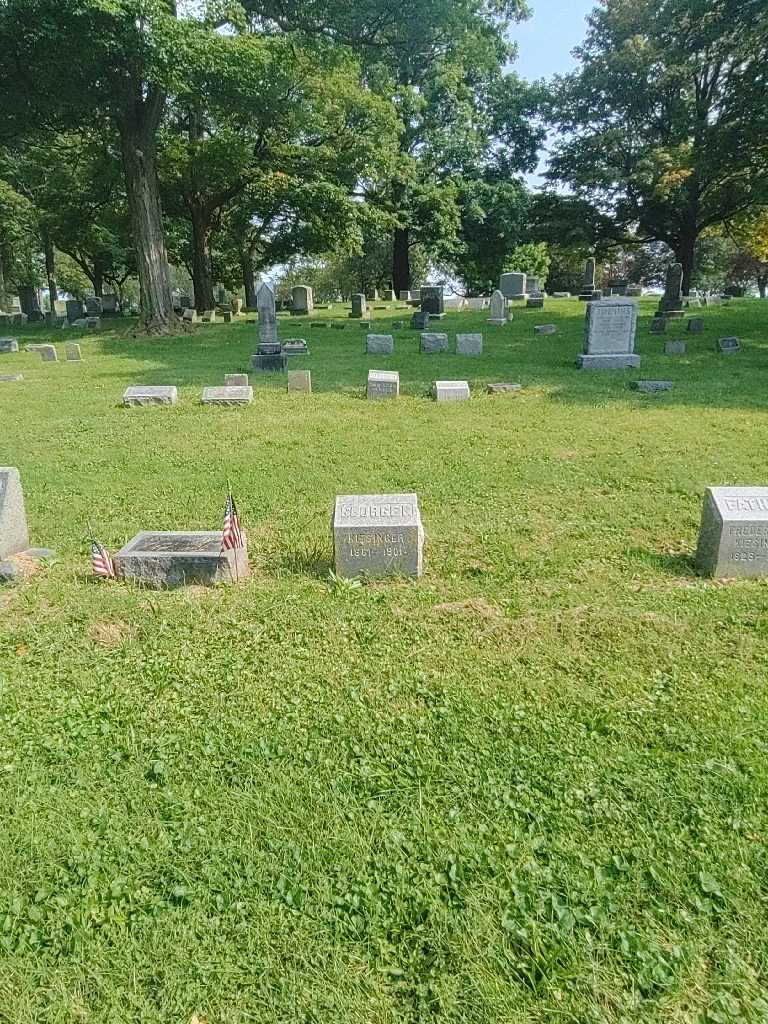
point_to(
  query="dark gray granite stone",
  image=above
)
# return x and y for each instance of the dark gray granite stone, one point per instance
(432, 342)
(174, 559)
(728, 345)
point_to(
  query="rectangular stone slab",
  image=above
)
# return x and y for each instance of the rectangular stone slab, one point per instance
(674, 348)
(380, 344)
(469, 344)
(650, 386)
(608, 362)
(14, 536)
(9, 378)
(143, 394)
(73, 353)
(378, 535)
(300, 381)
(236, 380)
(728, 345)
(48, 353)
(450, 390)
(9, 345)
(383, 384)
(545, 329)
(610, 326)
(432, 342)
(504, 388)
(177, 558)
(227, 395)
(733, 537)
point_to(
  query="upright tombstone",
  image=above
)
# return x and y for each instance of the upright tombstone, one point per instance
(450, 390)
(9, 345)
(469, 344)
(432, 301)
(236, 380)
(419, 321)
(658, 324)
(265, 304)
(303, 302)
(359, 306)
(378, 535)
(671, 304)
(189, 315)
(379, 344)
(535, 302)
(14, 536)
(674, 348)
(94, 305)
(498, 315)
(513, 285)
(733, 537)
(609, 335)
(300, 381)
(73, 353)
(532, 287)
(696, 325)
(588, 287)
(74, 310)
(383, 384)
(405, 296)
(109, 305)
(432, 342)
(48, 353)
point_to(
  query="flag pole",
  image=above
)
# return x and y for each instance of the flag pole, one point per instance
(230, 499)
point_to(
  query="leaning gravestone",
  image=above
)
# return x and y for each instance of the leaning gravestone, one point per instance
(383, 384)
(359, 306)
(13, 518)
(432, 302)
(300, 381)
(431, 343)
(733, 538)
(72, 349)
(144, 394)
(497, 310)
(227, 395)
(378, 535)
(173, 559)
(9, 345)
(513, 285)
(469, 344)
(450, 390)
(610, 328)
(728, 345)
(379, 344)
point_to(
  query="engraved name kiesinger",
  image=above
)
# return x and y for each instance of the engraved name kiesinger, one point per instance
(376, 511)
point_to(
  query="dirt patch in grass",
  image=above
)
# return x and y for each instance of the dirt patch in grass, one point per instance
(110, 635)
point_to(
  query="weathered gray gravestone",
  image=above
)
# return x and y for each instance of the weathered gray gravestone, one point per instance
(658, 324)
(236, 380)
(143, 394)
(650, 387)
(450, 390)
(504, 388)
(432, 342)
(303, 302)
(733, 538)
(48, 353)
(359, 306)
(671, 303)
(9, 378)
(379, 344)
(383, 384)
(497, 309)
(545, 329)
(74, 310)
(419, 321)
(295, 347)
(228, 395)
(535, 303)
(432, 301)
(265, 304)
(300, 380)
(610, 328)
(94, 306)
(588, 287)
(9, 345)
(378, 535)
(469, 344)
(175, 558)
(728, 345)
(674, 348)
(13, 518)
(405, 296)
(696, 325)
(73, 352)
(513, 285)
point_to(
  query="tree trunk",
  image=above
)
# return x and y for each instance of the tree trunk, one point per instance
(762, 284)
(202, 270)
(97, 280)
(29, 301)
(3, 296)
(139, 149)
(249, 280)
(401, 261)
(50, 271)
(685, 255)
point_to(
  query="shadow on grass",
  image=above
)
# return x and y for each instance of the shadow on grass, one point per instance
(310, 560)
(669, 564)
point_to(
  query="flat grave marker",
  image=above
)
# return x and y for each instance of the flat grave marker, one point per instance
(432, 342)
(227, 395)
(379, 344)
(175, 558)
(146, 394)
(300, 381)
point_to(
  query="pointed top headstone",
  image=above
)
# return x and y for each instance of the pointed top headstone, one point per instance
(265, 297)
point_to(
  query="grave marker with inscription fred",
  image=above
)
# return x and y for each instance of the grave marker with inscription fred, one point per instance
(733, 538)
(378, 535)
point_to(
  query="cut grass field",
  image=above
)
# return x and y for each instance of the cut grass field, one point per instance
(530, 787)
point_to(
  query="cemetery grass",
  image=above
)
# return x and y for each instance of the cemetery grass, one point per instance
(529, 787)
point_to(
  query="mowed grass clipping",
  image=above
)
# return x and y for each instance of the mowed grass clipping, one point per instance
(529, 787)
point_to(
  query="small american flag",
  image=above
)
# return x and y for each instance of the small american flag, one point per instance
(101, 561)
(233, 536)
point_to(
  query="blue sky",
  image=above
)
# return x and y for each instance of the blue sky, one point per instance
(545, 41)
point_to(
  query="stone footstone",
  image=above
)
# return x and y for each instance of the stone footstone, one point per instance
(383, 384)
(9, 378)
(176, 558)
(674, 348)
(295, 347)
(380, 344)
(227, 395)
(73, 353)
(733, 537)
(378, 535)
(236, 380)
(300, 381)
(504, 388)
(40, 554)
(432, 342)
(696, 325)
(143, 395)
(728, 345)
(14, 536)
(469, 344)
(545, 329)
(650, 386)
(450, 390)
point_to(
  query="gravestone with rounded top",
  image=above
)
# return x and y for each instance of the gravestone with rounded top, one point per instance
(497, 309)
(267, 310)
(14, 536)
(378, 535)
(303, 302)
(609, 335)
(432, 342)
(733, 537)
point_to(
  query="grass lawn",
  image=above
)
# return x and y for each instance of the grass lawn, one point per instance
(531, 787)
